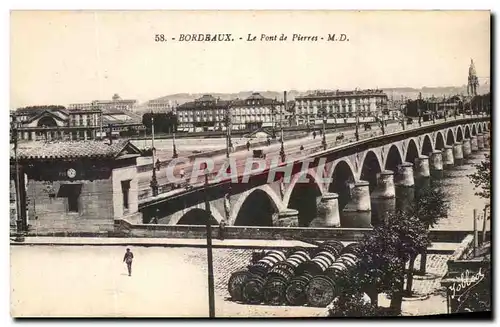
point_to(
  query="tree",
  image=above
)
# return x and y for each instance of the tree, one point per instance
(481, 178)
(164, 122)
(429, 207)
(384, 252)
(352, 305)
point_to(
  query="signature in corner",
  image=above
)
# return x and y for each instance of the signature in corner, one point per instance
(467, 282)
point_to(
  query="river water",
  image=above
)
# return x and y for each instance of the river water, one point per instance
(460, 192)
(456, 185)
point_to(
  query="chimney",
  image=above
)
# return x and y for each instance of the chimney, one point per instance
(110, 126)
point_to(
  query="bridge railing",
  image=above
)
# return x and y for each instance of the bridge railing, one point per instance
(291, 155)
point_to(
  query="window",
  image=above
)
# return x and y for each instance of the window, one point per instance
(72, 193)
(125, 192)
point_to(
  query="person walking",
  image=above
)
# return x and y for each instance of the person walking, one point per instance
(128, 258)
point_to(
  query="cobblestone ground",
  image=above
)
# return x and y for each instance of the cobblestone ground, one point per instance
(166, 282)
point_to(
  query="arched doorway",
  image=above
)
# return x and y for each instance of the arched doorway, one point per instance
(257, 210)
(370, 168)
(393, 159)
(474, 133)
(427, 146)
(305, 198)
(341, 178)
(479, 128)
(450, 139)
(411, 152)
(47, 122)
(460, 136)
(196, 217)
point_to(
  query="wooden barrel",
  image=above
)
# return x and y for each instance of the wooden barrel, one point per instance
(274, 290)
(253, 290)
(236, 282)
(320, 291)
(295, 291)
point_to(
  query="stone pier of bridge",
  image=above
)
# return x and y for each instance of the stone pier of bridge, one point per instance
(359, 180)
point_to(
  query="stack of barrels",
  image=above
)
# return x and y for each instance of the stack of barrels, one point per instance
(328, 252)
(324, 288)
(281, 274)
(247, 285)
(275, 278)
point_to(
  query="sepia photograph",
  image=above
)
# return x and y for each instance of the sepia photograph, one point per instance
(250, 163)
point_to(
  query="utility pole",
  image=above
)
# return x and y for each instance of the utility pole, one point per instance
(154, 181)
(211, 296)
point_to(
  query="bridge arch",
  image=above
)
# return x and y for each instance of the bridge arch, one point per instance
(450, 138)
(460, 134)
(393, 159)
(195, 216)
(262, 198)
(440, 142)
(411, 151)
(427, 147)
(304, 197)
(256, 207)
(342, 177)
(467, 132)
(370, 167)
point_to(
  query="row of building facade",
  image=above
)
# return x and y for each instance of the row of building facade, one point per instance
(84, 121)
(79, 121)
(209, 113)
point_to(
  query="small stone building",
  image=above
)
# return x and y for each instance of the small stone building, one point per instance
(77, 186)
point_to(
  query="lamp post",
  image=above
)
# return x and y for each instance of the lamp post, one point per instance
(356, 133)
(273, 118)
(282, 149)
(154, 181)
(211, 297)
(323, 142)
(17, 184)
(174, 127)
(403, 113)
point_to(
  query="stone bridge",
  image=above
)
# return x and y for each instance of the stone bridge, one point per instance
(343, 179)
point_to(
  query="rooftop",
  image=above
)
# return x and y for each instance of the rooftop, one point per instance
(338, 93)
(74, 149)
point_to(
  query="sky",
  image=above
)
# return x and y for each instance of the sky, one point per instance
(62, 57)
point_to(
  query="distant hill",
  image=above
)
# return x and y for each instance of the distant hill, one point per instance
(396, 93)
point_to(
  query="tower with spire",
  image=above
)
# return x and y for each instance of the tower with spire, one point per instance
(473, 82)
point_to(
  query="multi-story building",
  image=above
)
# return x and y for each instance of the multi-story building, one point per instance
(204, 114)
(209, 113)
(159, 106)
(116, 103)
(59, 123)
(56, 122)
(341, 107)
(257, 111)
